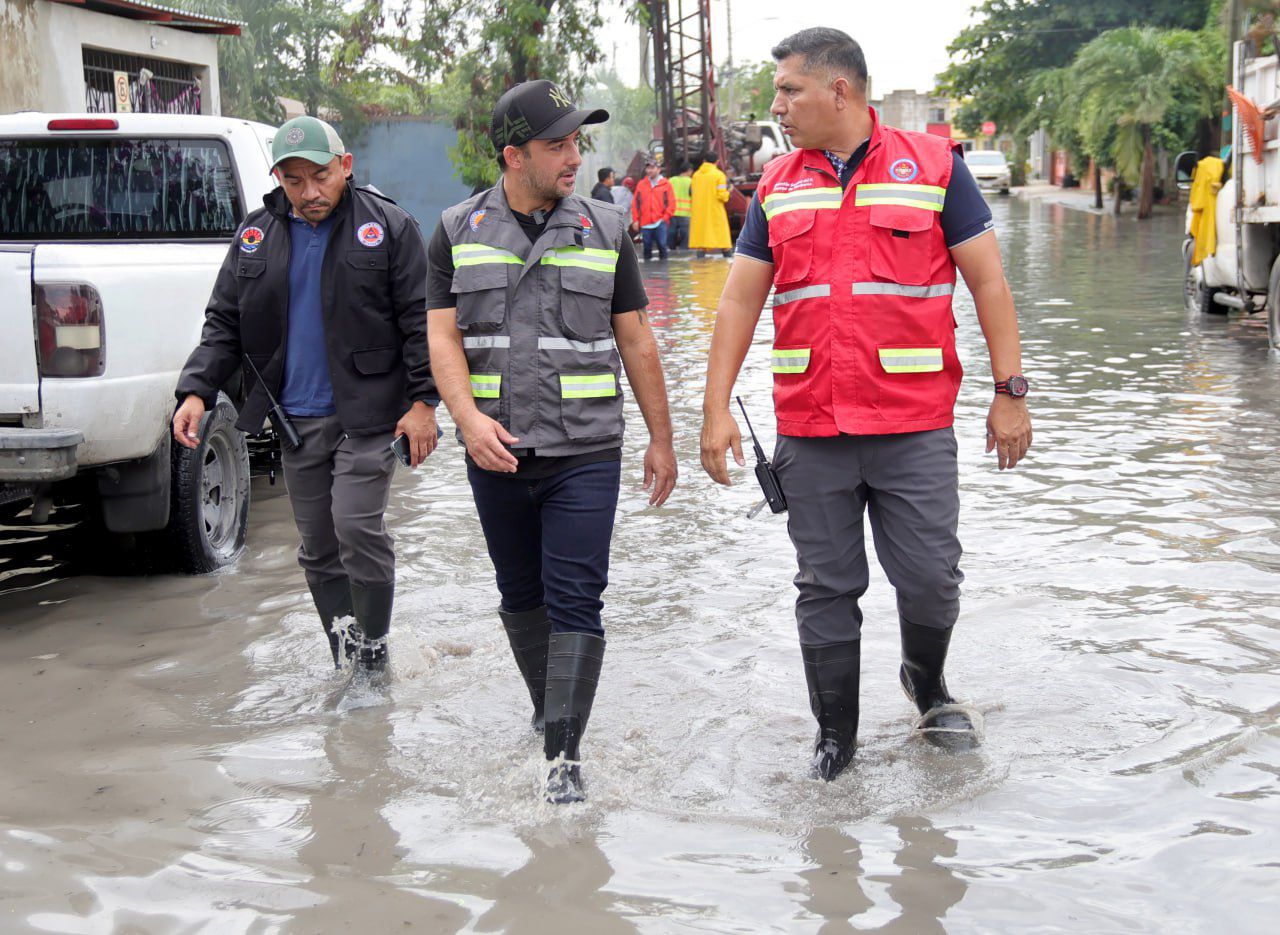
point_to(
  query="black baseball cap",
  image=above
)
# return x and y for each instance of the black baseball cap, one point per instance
(537, 110)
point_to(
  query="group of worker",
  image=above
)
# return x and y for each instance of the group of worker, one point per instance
(686, 211)
(522, 313)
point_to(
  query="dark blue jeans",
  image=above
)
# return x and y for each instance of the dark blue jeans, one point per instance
(549, 540)
(678, 235)
(655, 235)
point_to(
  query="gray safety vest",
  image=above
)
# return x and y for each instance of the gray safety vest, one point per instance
(536, 320)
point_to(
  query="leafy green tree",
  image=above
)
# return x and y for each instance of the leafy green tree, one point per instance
(995, 60)
(749, 88)
(1137, 89)
(484, 47)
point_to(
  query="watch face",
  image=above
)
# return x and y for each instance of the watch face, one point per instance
(1017, 386)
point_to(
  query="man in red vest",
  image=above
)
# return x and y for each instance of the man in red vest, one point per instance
(860, 231)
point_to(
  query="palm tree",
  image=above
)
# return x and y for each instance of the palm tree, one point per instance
(1128, 83)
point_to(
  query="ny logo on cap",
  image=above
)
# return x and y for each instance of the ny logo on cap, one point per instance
(558, 97)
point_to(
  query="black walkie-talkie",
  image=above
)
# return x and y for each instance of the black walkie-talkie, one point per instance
(290, 440)
(765, 474)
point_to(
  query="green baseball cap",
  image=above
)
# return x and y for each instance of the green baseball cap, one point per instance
(306, 138)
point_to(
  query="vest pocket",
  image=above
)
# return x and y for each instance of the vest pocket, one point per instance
(792, 399)
(912, 385)
(482, 295)
(792, 248)
(586, 307)
(901, 243)
(590, 405)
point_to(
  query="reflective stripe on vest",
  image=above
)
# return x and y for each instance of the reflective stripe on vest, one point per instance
(812, 198)
(790, 360)
(478, 254)
(486, 385)
(914, 292)
(804, 292)
(487, 340)
(602, 261)
(588, 387)
(568, 344)
(929, 197)
(911, 359)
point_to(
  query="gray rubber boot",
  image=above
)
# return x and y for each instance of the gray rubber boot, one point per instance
(373, 614)
(573, 671)
(924, 654)
(833, 673)
(333, 601)
(528, 632)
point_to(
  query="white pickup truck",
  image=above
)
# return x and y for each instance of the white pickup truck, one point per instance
(112, 229)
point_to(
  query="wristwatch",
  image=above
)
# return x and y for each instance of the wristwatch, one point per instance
(1016, 386)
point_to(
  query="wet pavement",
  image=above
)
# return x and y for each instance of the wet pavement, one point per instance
(179, 757)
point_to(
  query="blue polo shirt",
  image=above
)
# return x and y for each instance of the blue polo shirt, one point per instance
(965, 214)
(307, 390)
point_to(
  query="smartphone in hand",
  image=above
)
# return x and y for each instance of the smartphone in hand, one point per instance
(400, 448)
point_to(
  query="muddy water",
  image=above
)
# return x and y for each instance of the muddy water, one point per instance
(177, 756)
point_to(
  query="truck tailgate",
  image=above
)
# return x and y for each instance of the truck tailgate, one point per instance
(19, 379)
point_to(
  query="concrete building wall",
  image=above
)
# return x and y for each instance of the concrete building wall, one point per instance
(913, 110)
(408, 160)
(42, 53)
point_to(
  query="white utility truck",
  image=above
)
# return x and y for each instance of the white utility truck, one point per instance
(112, 230)
(1243, 272)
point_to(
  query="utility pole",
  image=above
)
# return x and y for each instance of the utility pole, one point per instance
(731, 73)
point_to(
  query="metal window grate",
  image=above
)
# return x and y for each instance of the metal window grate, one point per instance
(171, 88)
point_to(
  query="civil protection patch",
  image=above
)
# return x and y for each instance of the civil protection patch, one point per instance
(585, 222)
(476, 217)
(370, 234)
(904, 170)
(251, 239)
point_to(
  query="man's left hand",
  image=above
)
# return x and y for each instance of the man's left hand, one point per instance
(660, 471)
(419, 423)
(1008, 429)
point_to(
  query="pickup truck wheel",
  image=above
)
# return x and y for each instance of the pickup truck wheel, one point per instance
(1273, 306)
(209, 510)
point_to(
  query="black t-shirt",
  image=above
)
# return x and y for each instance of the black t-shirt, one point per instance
(628, 296)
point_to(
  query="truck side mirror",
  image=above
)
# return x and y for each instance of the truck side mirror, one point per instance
(1184, 168)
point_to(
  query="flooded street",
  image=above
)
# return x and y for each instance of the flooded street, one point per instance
(180, 757)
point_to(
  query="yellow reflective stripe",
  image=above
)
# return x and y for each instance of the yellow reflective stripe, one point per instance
(589, 386)
(478, 254)
(902, 187)
(603, 261)
(790, 360)
(860, 202)
(911, 359)
(777, 203)
(486, 385)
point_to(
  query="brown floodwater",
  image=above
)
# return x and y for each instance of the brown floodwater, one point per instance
(179, 756)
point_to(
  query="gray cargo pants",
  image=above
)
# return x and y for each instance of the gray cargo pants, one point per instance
(338, 487)
(909, 485)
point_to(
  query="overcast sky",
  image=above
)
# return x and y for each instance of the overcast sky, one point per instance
(905, 41)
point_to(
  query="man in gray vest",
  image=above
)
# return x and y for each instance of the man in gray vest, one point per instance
(535, 305)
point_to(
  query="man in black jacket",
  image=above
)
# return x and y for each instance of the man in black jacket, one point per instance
(324, 292)
(603, 190)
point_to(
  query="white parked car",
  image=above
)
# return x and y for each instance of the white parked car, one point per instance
(112, 230)
(990, 169)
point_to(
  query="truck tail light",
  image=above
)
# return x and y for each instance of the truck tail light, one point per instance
(71, 330)
(84, 123)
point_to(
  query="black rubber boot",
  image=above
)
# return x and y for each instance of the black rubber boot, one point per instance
(924, 654)
(573, 670)
(528, 632)
(373, 614)
(333, 601)
(832, 673)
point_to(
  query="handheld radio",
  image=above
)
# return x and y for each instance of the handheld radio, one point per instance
(765, 474)
(288, 435)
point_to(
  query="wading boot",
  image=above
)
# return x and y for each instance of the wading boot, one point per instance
(528, 631)
(373, 614)
(924, 653)
(333, 602)
(573, 670)
(832, 673)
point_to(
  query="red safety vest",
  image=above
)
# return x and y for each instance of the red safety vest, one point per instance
(864, 336)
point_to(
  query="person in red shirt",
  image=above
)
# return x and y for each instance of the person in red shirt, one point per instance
(652, 208)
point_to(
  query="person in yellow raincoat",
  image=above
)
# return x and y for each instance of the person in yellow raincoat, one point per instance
(709, 223)
(1204, 196)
